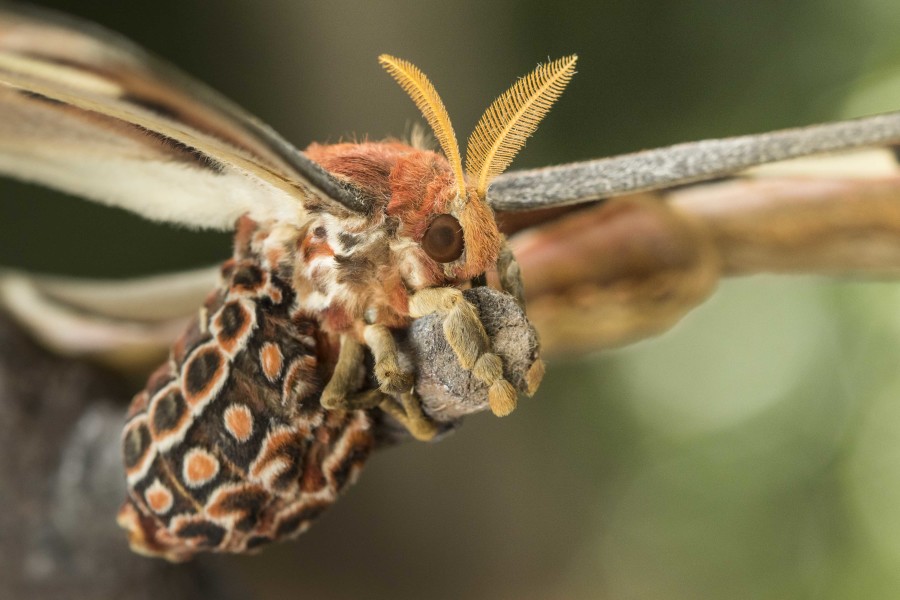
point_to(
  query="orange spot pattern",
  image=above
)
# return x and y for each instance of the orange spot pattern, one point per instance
(200, 467)
(159, 498)
(271, 359)
(239, 422)
(243, 380)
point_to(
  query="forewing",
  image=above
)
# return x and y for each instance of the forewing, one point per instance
(89, 113)
(588, 181)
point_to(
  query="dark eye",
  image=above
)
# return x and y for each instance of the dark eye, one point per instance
(443, 240)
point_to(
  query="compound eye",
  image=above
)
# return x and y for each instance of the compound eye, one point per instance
(443, 240)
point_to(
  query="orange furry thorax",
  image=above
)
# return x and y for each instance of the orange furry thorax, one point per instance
(412, 185)
(408, 182)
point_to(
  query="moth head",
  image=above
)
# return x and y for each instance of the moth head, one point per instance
(461, 233)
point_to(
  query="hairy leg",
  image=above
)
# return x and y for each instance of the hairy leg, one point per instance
(469, 340)
(341, 390)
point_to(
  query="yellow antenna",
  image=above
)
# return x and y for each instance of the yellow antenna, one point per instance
(416, 84)
(512, 118)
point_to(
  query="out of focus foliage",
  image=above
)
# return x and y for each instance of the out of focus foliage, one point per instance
(754, 452)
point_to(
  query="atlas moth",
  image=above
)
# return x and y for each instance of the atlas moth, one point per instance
(256, 422)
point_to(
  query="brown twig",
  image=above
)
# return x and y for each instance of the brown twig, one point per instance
(632, 267)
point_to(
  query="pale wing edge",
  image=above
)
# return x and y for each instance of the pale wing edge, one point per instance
(126, 51)
(121, 158)
(129, 323)
(125, 345)
(246, 147)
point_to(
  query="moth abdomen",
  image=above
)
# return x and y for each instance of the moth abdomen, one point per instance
(228, 447)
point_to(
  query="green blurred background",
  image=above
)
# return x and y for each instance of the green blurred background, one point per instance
(753, 452)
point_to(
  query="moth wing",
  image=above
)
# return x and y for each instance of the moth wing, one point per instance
(87, 112)
(682, 164)
(654, 256)
(128, 324)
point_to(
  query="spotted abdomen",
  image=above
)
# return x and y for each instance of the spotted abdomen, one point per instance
(228, 448)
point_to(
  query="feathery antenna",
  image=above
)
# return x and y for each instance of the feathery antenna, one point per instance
(512, 118)
(416, 84)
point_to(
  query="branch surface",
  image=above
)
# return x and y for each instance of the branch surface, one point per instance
(632, 267)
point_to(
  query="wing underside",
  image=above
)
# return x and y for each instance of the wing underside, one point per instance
(129, 324)
(86, 112)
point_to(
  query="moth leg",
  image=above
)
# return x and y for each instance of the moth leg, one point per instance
(394, 382)
(391, 378)
(469, 340)
(340, 391)
(408, 412)
(510, 276)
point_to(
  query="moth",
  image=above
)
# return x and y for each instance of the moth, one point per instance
(256, 422)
